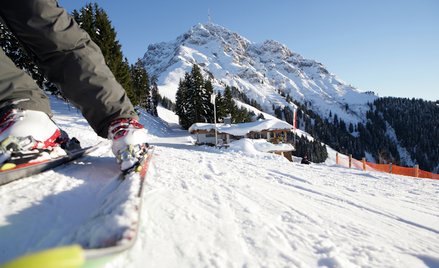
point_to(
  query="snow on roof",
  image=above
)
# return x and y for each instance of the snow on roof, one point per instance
(242, 129)
(257, 146)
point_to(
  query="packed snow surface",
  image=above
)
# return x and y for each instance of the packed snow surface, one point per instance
(206, 207)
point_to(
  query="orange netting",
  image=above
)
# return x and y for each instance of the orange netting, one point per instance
(429, 175)
(343, 160)
(406, 171)
(379, 167)
(357, 163)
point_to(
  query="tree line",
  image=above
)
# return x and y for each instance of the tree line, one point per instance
(414, 121)
(344, 138)
(416, 125)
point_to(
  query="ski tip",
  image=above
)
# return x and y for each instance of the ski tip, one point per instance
(138, 169)
(62, 257)
(7, 166)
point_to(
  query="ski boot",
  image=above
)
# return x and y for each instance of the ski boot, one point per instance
(129, 142)
(27, 135)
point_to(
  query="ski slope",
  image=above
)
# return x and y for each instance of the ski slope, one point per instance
(206, 207)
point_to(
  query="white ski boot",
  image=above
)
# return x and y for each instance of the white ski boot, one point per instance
(129, 142)
(27, 131)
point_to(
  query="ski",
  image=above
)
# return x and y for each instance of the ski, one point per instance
(127, 238)
(19, 171)
(82, 256)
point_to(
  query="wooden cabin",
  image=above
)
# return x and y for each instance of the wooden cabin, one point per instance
(274, 131)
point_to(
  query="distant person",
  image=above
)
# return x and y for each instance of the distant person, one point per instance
(70, 59)
(305, 160)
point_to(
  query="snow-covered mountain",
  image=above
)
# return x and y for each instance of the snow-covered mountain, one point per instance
(260, 70)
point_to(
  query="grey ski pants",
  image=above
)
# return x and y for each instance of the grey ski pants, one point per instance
(68, 58)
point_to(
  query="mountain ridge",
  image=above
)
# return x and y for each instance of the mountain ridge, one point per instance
(261, 70)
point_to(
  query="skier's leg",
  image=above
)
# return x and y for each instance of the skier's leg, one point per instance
(70, 59)
(17, 87)
(24, 109)
(19, 90)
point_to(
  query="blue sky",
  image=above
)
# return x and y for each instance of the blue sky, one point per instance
(388, 46)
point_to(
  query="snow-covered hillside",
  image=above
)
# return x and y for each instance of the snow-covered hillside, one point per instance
(259, 70)
(205, 207)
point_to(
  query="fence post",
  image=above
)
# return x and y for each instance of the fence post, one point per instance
(350, 161)
(336, 158)
(364, 163)
(417, 171)
(390, 168)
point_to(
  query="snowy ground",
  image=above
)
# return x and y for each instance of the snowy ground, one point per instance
(205, 207)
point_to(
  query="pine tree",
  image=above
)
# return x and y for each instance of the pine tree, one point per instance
(140, 87)
(351, 127)
(220, 107)
(182, 104)
(208, 106)
(195, 90)
(228, 102)
(193, 100)
(155, 96)
(226, 106)
(415, 122)
(315, 151)
(242, 115)
(199, 92)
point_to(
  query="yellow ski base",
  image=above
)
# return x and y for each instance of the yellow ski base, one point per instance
(8, 166)
(63, 257)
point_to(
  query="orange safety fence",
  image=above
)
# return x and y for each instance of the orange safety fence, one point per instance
(348, 161)
(357, 164)
(342, 160)
(429, 175)
(379, 167)
(406, 171)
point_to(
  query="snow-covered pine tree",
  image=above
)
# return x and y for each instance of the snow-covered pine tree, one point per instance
(193, 99)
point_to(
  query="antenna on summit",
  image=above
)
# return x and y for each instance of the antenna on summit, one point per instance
(208, 16)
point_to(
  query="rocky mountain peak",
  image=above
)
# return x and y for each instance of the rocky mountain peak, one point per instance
(265, 72)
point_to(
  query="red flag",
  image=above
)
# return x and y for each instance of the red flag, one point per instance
(294, 119)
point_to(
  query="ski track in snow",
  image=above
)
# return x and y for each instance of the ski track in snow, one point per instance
(211, 210)
(206, 207)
